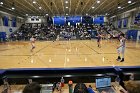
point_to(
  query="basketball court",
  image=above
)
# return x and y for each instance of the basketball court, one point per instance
(53, 42)
(66, 54)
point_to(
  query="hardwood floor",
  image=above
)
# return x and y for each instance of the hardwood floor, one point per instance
(66, 54)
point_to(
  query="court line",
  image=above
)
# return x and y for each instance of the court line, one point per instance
(91, 48)
(36, 52)
(40, 50)
(42, 61)
(12, 48)
(16, 55)
(79, 55)
(56, 54)
(97, 51)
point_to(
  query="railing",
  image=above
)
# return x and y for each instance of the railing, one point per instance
(50, 75)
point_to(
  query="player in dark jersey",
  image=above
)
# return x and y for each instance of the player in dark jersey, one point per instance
(99, 37)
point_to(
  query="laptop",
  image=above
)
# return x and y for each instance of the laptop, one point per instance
(103, 85)
(47, 88)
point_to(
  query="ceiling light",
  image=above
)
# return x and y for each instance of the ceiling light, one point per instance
(119, 7)
(66, 14)
(93, 7)
(13, 8)
(67, 7)
(66, 2)
(1, 3)
(86, 14)
(129, 2)
(40, 7)
(46, 14)
(98, 1)
(34, 2)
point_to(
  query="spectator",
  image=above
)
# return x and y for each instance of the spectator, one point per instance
(132, 87)
(70, 84)
(58, 86)
(90, 90)
(80, 88)
(30, 81)
(132, 77)
(62, 82)
(54, 85)
(32, 88)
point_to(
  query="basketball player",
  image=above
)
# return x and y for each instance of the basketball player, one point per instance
(99, 37)
(57, 39)
(121, 48)
(32, 40)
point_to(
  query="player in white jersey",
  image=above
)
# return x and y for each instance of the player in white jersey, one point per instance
(57, 38)
(121, 48)
(32, 40)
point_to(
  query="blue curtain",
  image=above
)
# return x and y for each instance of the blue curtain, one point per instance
(73, 20)
(59, 20)
(13, 22)
(99, 20)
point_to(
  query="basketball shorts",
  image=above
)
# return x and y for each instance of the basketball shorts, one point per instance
(121, 50)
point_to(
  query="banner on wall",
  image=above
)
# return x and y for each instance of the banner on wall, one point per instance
(119, 23)
(2, 36)
(132, 34)
(13, 22)
(5, 21)
(125, 22)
